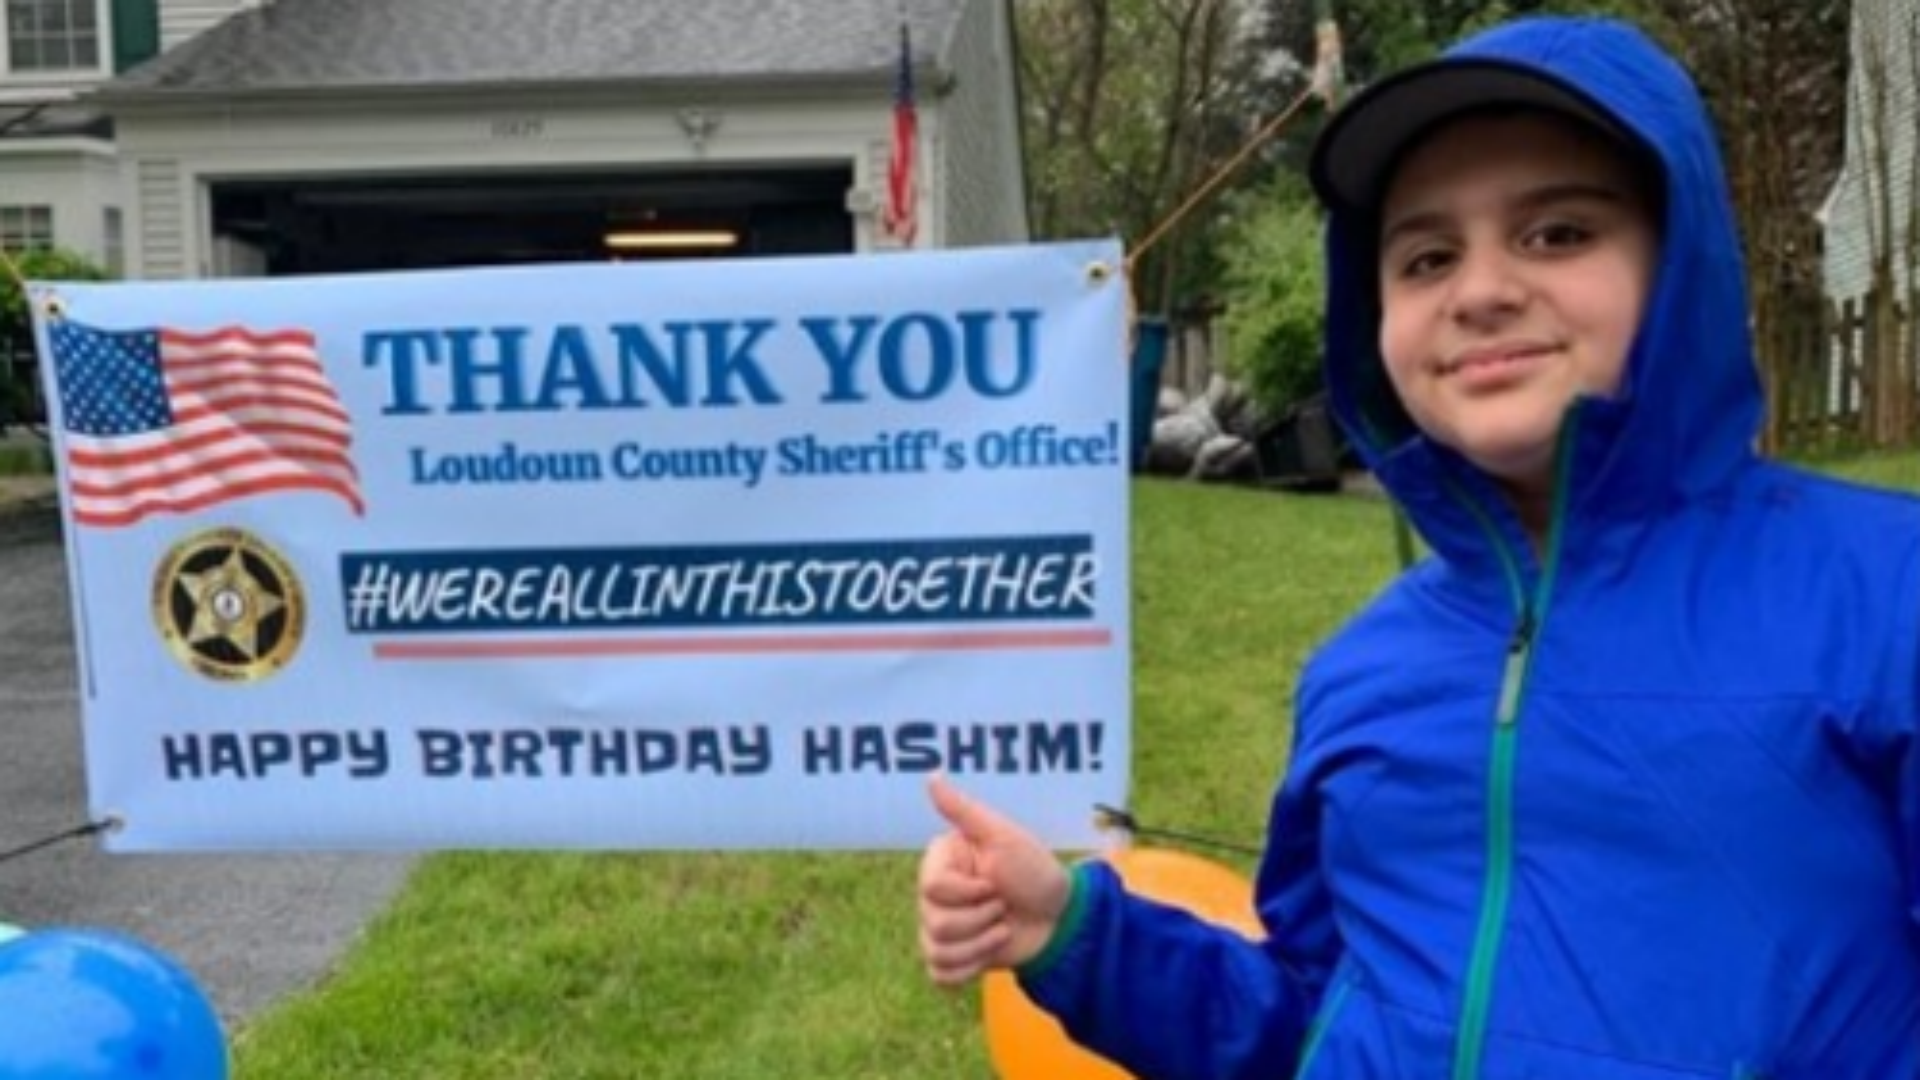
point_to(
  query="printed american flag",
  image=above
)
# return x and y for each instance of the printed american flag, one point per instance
(900, 217)
(164, 420)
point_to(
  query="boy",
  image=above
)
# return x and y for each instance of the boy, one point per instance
(1625, 782)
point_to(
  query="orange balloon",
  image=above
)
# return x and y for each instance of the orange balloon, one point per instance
(1026, 1043)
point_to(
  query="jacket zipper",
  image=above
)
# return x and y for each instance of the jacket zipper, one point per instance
(1531, 613)
(1499, 880)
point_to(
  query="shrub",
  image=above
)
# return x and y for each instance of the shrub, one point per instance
(55, 264)
(19, 401)
(1274, 285)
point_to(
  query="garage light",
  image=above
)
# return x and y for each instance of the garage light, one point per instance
(676, 240)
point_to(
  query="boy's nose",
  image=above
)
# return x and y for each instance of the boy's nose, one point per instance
(1487, 287)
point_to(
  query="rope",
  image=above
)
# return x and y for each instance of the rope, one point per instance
(1109, 817)
(1220, 175)
(75, 833)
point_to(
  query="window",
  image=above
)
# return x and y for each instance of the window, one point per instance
(114, 242)
(26, 228)
(53, 35)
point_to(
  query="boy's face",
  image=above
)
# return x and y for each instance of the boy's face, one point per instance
(1517, 254)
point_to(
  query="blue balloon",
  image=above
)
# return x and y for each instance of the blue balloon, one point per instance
(92, 1004)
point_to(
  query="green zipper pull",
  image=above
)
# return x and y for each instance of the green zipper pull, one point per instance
(1472, 1034)
(1517, 652)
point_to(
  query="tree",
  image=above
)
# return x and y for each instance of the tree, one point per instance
(1382, 36)
(1130, 106)
(1274, 294)
(1774, 73)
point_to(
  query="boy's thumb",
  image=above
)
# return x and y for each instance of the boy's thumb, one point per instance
(970, 818)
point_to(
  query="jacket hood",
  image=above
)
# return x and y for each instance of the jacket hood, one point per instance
(1689, 407)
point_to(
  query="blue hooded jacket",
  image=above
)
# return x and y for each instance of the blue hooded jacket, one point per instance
(1645, 807)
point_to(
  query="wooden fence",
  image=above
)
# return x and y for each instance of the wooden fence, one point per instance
(1841, 376)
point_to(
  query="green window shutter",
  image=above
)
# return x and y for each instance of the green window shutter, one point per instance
(136, 32)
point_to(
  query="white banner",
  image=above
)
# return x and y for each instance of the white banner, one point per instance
(715, 554)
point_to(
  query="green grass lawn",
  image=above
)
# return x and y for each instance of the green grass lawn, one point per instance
(1900, 471)
(760, 966)
(716, 967)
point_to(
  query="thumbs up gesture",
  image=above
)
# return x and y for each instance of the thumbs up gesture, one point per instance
(990, 893)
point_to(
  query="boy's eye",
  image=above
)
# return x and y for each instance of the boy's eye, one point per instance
(1555, 235)
(1425, 262)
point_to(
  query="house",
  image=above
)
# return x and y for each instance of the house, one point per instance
(1870, 232)
(1871, 211)
(270, 137)
(59, 177)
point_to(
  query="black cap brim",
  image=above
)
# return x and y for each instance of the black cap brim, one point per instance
(1365, 139)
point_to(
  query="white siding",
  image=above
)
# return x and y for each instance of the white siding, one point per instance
(77, 179)
(979, 159)
(1884, 37)
(177, 154)
(159, 247)
(972, 181)
(182, 19)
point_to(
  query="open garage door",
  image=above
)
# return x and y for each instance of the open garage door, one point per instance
(337, 225)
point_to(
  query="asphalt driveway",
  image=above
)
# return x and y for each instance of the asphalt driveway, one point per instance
(251, 928)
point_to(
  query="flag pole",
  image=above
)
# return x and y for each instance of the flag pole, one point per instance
(1329, 79)
(1327, 82)
(52, 312)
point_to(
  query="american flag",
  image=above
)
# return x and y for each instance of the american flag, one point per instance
(900, 217)
(164, 420)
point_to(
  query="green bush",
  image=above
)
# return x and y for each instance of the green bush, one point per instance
(54, 264)
(1274, 297)
(19, 401)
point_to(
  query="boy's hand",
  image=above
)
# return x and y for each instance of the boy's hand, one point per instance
(990, 892)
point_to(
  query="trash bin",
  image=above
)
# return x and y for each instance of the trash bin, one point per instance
(1149, 357)
(1302, 450)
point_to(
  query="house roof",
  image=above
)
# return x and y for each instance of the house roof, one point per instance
(320, 45)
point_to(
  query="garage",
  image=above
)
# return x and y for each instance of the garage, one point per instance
(276, 227)
(327, 136)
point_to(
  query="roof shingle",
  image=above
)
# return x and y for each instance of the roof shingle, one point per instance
(346, 44)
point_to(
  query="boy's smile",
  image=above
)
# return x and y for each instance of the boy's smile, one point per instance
(1517, 253)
